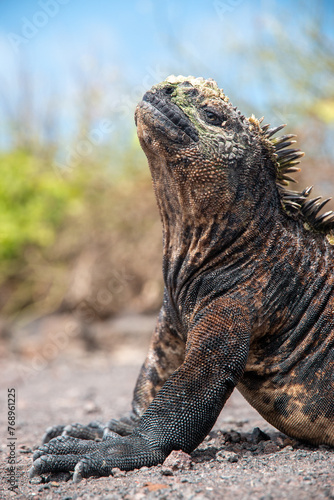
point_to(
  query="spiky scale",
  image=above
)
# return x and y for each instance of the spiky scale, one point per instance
(320, 219)
(288, 178)
(307, 191)
(329, 219)
(290, 159)
(322, 204)
(287, 152)
(282, 145)
(293, 204)
(290, 170)
(308, 205)
(274, 130)
(282, 138)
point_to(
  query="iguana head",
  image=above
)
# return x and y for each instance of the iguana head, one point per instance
(207, 159)
(188, 114)
(201, 148)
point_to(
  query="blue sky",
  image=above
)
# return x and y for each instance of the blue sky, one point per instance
(132, 44)
(132, 35)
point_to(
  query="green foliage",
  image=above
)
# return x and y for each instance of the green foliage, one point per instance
(33, 203)
(84, 238)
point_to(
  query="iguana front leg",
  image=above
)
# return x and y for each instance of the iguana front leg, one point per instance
(165, 355)
(183, 411)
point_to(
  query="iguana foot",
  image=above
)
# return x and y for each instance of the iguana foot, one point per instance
(90, 458)
(93, 430)
(123, 427)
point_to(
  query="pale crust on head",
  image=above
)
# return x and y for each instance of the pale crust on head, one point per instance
(208, 87)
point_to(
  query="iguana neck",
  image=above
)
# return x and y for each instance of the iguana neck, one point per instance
(196, 236)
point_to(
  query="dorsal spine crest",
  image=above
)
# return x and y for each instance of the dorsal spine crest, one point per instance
(294, 202)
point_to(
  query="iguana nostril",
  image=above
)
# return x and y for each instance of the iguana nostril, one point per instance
(174, 114)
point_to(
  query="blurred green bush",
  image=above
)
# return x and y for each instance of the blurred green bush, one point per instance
(83, 239)
(33, 203)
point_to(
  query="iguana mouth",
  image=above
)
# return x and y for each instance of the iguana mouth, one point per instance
(169, 118)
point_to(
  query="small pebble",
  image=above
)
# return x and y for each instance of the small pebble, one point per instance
(227, 456)
(178, 460)
(166, 471)
(258, 435)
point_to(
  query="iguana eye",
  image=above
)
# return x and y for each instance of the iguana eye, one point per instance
(169, 90)
(211, 117)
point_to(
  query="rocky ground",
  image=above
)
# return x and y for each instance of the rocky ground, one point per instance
(242, 458)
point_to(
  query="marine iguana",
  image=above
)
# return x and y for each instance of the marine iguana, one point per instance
(248, 267)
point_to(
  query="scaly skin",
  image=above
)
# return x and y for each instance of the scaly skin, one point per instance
(249, 290)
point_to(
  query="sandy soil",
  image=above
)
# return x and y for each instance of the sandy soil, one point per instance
(242, 458)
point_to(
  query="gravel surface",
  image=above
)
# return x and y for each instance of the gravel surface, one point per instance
(242, 458)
